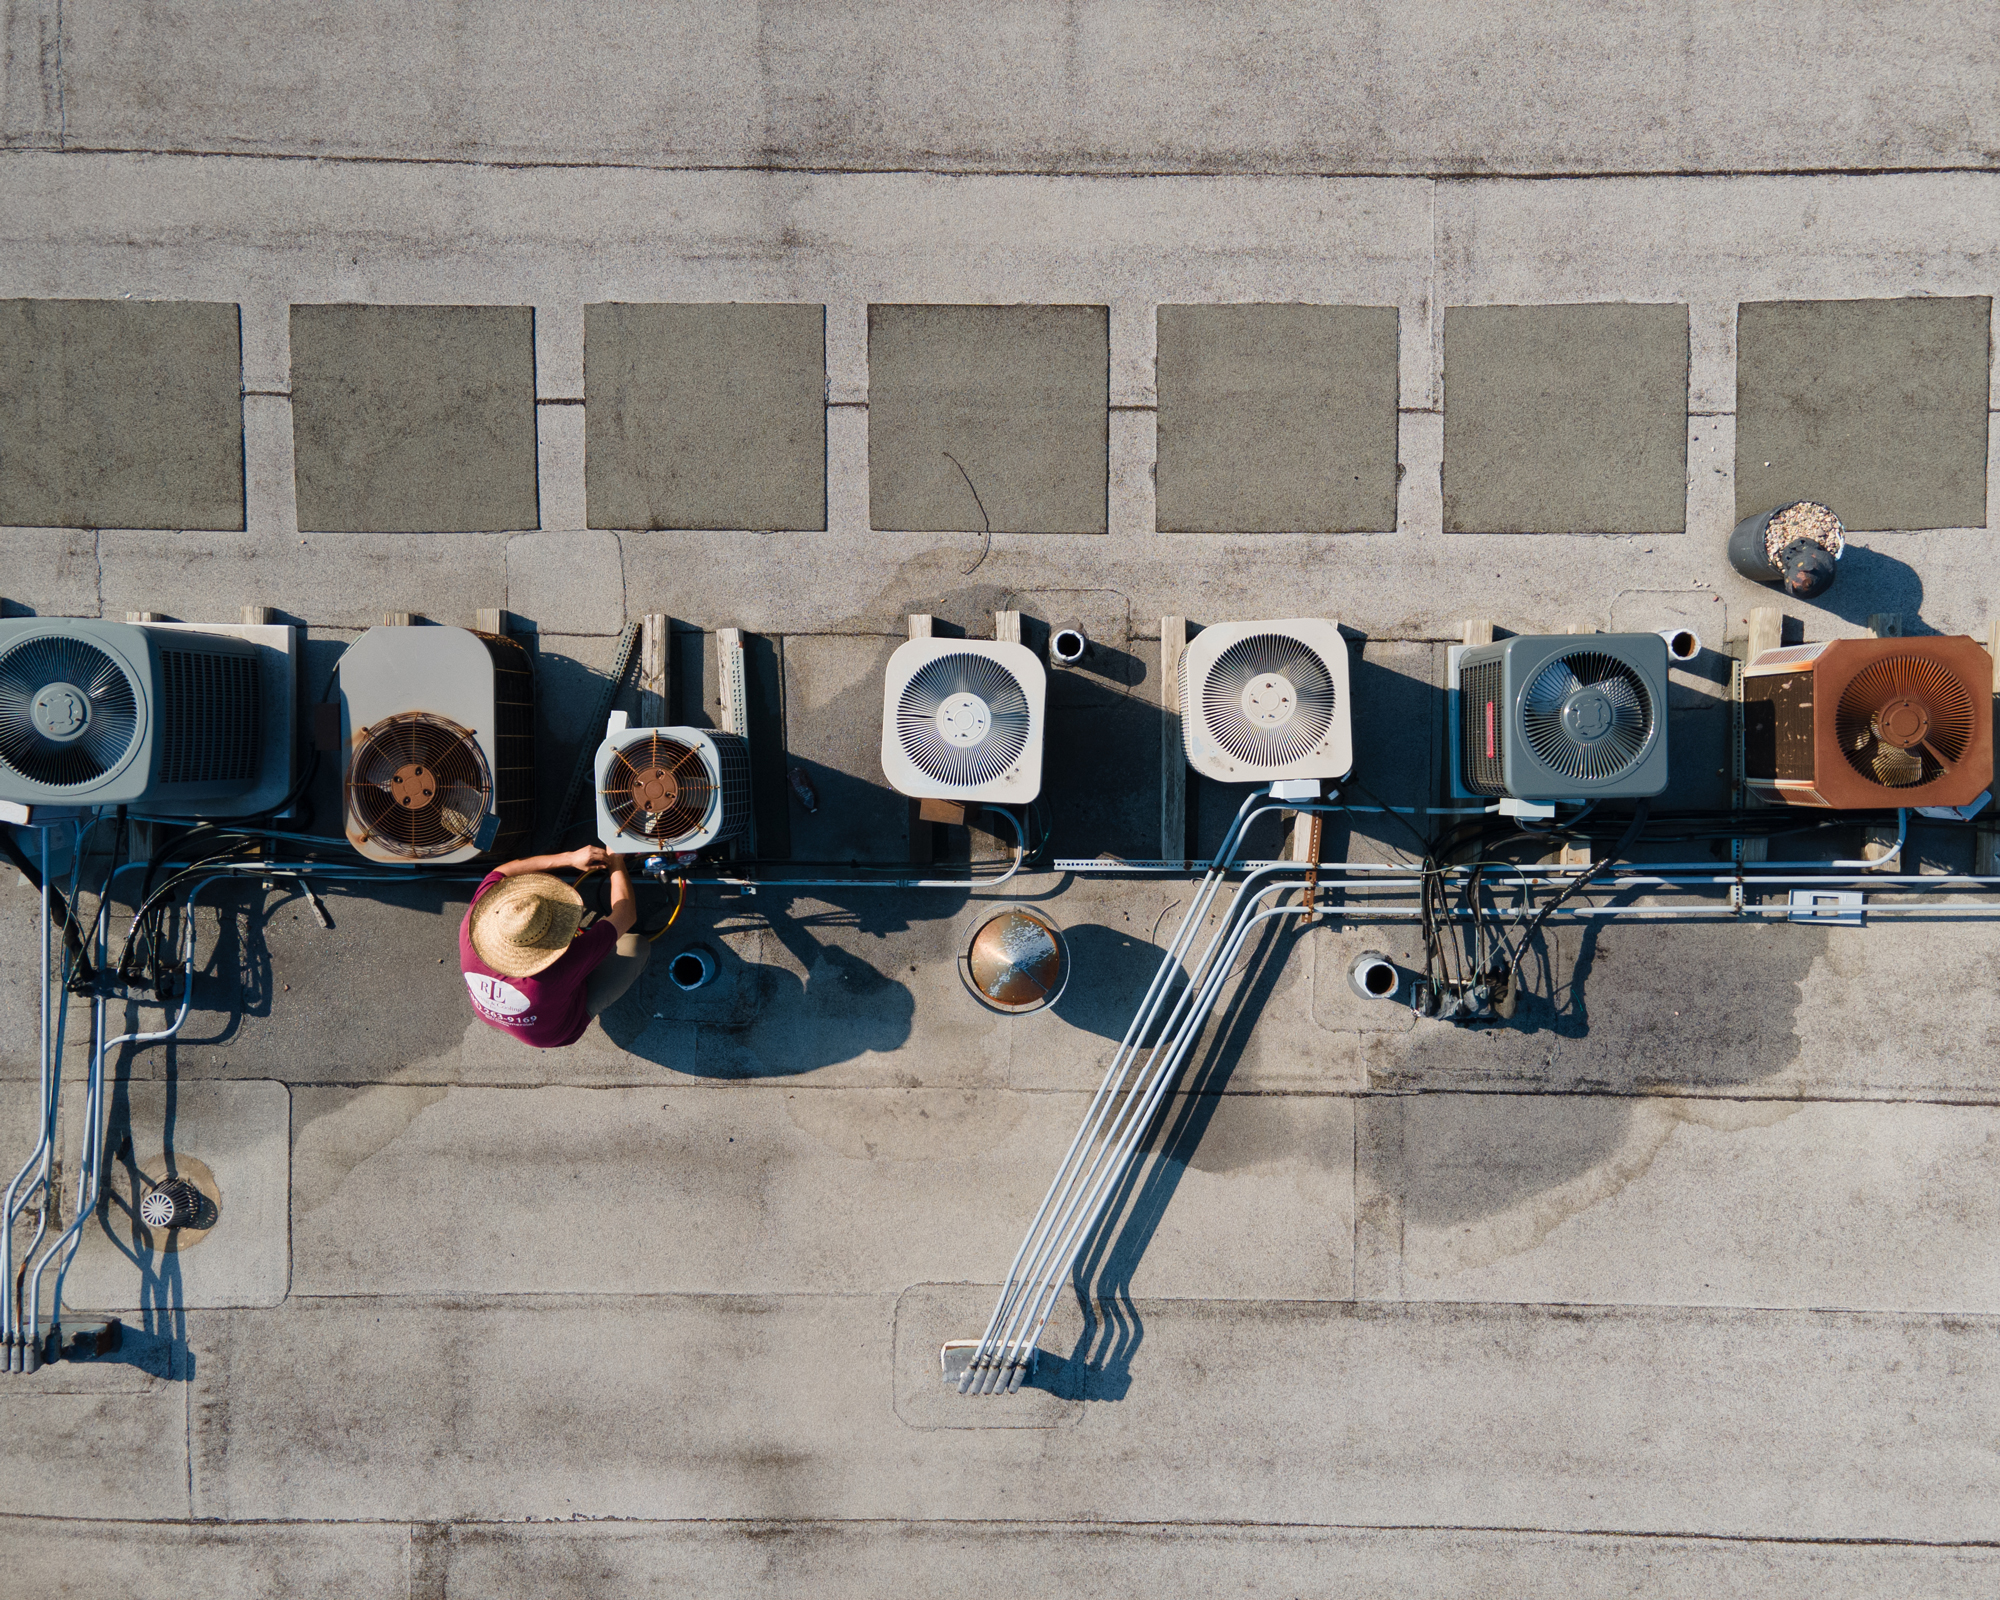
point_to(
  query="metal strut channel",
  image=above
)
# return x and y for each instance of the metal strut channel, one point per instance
(1124, 1108)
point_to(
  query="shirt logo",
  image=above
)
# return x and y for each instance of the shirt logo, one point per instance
(496, 996)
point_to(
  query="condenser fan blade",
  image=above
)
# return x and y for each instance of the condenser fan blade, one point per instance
(984, 706)
(68, 713)
(419, 784)
(1587, 716)
(1268, 700)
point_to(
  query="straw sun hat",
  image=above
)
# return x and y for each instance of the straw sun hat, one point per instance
(523, 924)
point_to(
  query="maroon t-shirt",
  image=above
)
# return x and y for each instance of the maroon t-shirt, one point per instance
(545, 1011)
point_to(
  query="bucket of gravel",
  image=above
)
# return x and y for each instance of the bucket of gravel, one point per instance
(1797, 546)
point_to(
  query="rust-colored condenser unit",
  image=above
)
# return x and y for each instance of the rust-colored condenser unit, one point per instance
(1869, 724)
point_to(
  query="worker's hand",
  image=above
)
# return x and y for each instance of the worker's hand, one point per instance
(587, 856)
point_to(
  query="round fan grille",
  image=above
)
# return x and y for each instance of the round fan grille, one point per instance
(1904, 721)
(1587, 716)
(68, 713)
(962, 720)
(1268, 700)
(657, 788)
(418, 785)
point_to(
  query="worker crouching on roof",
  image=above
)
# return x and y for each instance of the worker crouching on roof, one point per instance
(532, 975)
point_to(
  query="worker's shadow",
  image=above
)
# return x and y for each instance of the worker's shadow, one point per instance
(823, 1005)
(1100, 1364)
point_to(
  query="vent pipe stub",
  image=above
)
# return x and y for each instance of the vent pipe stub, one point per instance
(691, 969)
(1683, 644)
(1374, 976)
(1068, 644)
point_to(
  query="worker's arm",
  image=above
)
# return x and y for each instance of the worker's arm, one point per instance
(624, 913)
(586, 856)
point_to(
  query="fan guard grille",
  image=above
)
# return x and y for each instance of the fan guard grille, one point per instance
(418, 785)
(994, 752)
(1943, 707)
(1288, 680)
(657, 788)
(87, 685)
(1556, 717)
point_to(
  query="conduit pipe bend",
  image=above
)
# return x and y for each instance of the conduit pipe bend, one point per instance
(1121, 1112)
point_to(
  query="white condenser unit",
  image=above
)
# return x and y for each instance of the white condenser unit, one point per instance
(438, 726)
(1265, 702)
(963, 720)
(116, 713)
(670, 788)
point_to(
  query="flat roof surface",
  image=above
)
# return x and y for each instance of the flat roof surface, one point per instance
(1686, 1278)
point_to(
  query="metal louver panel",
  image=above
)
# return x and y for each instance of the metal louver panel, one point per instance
(1268, 700)
(1482, 731)
(1587, 716)
(68, 712)
(210, 717)
(963, 719)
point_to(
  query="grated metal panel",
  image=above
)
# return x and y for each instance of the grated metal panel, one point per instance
(210, 719)
(1482, 729)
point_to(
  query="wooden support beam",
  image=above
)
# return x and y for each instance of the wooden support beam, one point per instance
(1173, 761)
(1987, 864)
(1478, 631)
(1767, 631)
(144, 616)
(489, 619)
(655, 670)
(1007, 627)
(256, 616)
(732, 680)
(399, 619)
(922, 829)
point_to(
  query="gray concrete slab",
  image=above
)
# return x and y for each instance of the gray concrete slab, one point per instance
(568, 582)
(717, 1189)
(1809, 1425)
(988, 417)
(833, 732)
(120, 414)
(59, 565)
(990, 1560)
(1877, 408)
(1277, 419)
(344, 581)
(1386, 88)
(414, 419)
(705, 416)
(241, 1133)
(1565, 419)
(111, 1439)
(68, 1559)
(1594, 1200)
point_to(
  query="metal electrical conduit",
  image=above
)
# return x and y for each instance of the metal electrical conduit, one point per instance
(1122, 1111)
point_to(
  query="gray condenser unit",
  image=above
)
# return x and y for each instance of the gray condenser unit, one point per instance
(118, 713)
(1563, 717)
(439, 729)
